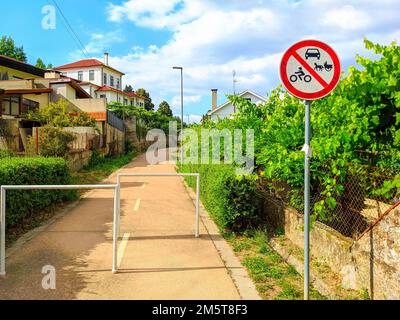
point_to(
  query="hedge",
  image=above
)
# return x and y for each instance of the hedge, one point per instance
(230, 199)
(33, 171)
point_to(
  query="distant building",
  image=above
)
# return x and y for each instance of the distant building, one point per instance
(25, 88)
(227, 109)
(100, 80)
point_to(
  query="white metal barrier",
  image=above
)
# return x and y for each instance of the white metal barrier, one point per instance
(3, 190)
(117, 206)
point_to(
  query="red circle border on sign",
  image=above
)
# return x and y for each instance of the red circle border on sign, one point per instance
(305, 95)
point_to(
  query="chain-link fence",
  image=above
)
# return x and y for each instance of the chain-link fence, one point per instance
(363, 201)
(365, 197)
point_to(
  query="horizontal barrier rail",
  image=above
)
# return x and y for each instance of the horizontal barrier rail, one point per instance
(4, 188)
(117, 211)
(60, 187)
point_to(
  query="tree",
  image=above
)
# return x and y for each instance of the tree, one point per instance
(56, 114)
(40, 64)
(120, 110)
(148, 104)
(8, 48)
(128, 88)
(165, 109)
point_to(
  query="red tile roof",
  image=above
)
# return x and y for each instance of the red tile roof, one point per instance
(85, 64)
(129, 94)
(98, 116)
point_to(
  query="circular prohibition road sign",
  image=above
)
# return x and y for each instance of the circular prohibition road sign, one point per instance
(310, 69)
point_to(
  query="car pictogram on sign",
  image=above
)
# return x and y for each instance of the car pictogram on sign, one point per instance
(310, 69)
(313, 53)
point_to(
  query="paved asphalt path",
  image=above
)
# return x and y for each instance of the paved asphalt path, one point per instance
(159, 256)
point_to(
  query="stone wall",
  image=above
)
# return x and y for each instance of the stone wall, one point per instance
(371, 263)
(78, 159)
(115, 140)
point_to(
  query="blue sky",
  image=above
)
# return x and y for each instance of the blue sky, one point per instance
(208, 38)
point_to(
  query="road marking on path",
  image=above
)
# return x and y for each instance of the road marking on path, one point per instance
(137, 205)
(122, 248)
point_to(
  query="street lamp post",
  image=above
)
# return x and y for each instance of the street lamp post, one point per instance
(181, 69)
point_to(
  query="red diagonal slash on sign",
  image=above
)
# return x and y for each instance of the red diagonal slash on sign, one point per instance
(309, 69)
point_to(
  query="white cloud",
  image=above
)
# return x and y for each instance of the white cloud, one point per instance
(103, 41)
(347, 17)
(212, 38)
(187, 99)
(156, 14)
(99, 43)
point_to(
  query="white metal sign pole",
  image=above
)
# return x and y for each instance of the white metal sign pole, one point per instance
(307, 157)
(307, 77)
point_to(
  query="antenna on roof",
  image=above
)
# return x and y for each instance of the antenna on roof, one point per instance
(234, 82)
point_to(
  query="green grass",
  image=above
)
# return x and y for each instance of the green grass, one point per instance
(100, 168)
(274, 278)
(289, 292)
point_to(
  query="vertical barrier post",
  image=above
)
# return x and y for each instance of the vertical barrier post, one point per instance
(3, 232)
(115, 230)
(197, 206)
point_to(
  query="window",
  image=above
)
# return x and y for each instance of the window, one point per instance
(29, 105)
(248, 99)
(111, 81)
(105, 79)
(118, 84)
(125, 101)
(91, 75)
(102, 96)
(80, 75)
(11, 106)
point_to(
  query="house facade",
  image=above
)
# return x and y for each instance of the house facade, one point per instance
(100, 81)
(39, 88)
(227, 109)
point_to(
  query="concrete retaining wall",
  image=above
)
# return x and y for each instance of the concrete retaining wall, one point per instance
(78, 159)
(371, 263)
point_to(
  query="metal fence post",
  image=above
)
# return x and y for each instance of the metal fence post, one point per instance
(197, 206)
(3, 232)
(115, 229)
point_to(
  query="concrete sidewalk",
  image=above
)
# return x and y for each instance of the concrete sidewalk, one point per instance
(159, 256)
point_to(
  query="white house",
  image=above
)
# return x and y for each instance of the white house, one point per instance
(100, 80)
(227, 108)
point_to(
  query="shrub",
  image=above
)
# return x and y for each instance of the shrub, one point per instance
(54, 142)
(231, 199)
(5, 154)
(33, 171)
(57, 114)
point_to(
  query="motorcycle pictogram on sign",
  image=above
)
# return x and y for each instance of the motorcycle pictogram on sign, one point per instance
(310, 69)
